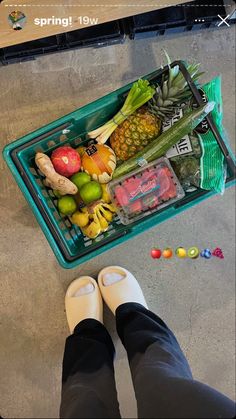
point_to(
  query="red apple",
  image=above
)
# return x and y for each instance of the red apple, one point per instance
(156, 253)
(66, 161)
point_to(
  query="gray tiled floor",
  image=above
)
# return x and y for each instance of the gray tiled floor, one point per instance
(196, 298)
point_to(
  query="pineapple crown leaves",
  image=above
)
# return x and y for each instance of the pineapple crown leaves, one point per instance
(173, 89)
(176, 78)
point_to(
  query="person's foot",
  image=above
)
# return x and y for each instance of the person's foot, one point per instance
(83, 301)
(119, 286)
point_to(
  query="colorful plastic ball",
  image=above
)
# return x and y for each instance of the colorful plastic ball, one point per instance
(156, 253)
(167, 253)
(206, 253)
(181, 252)
(193, 252)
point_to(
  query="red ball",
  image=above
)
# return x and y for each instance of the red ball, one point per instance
(156, 253)
(66, 161)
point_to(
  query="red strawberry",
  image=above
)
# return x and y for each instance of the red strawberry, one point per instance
(121, 196)
(149, 175)
(172, 190)
(136, 206)
(150, 201)
(164, 181)
(167, 186)
(133, 187)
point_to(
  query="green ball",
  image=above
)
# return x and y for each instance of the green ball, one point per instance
(193, 252)
(80, 179)
(90, 192)
(67, 205)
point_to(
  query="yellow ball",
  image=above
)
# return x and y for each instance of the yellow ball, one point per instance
(181, 252)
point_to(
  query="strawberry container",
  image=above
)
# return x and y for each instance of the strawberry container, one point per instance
(145, 191)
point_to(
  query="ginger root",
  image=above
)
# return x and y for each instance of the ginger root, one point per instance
(53, 179)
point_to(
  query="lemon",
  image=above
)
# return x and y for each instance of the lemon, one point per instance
(80, 179)
(90, 192)
(181, 252)
(67, 205)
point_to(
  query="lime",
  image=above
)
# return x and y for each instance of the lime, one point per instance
(79, 179)
(67, 205)
(90, 192)
(57, 193)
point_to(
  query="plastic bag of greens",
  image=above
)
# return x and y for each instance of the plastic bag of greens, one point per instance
(198, 160)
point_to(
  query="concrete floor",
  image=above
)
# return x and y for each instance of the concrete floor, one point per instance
(196, 298)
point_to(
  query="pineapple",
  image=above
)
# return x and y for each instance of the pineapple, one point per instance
(135, 133)
(173, 89)
(144, 125)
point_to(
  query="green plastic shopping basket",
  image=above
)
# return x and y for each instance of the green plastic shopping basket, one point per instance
(70, 246)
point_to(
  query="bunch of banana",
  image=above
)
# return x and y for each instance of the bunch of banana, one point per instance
(94, 219)
(105, 194)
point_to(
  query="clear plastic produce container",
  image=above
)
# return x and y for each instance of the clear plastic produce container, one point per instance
(145, 190)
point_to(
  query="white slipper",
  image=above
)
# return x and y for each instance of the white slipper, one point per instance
(124, 290)
(83, 301)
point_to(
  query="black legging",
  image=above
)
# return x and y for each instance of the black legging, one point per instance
(162, 379)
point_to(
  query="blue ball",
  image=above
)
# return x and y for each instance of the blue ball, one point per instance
(207, 253)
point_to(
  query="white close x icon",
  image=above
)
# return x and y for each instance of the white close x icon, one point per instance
(223, 20)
